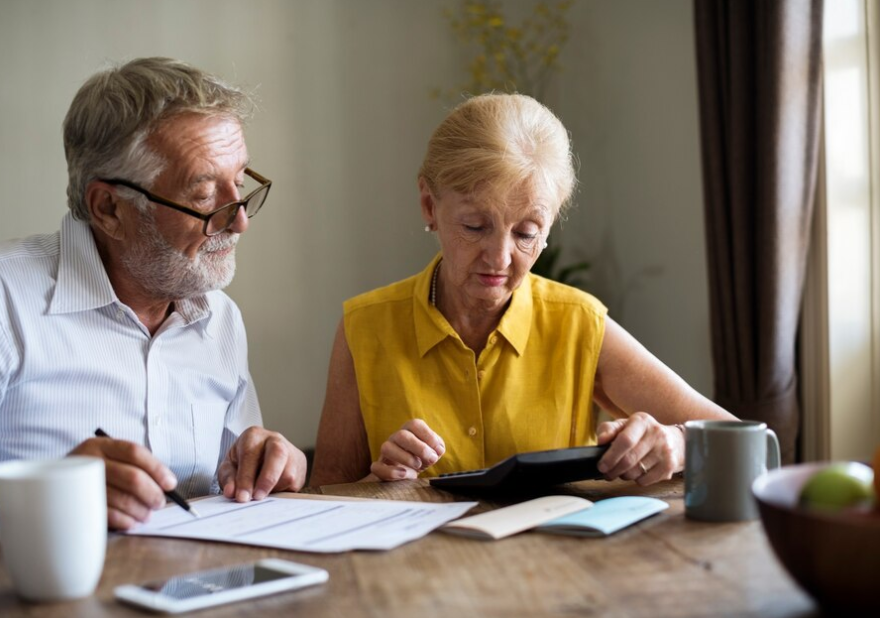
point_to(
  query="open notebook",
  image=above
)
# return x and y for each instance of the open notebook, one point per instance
(606, 516)
(558, 515)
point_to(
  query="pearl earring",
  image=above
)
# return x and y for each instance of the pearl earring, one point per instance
(427, 228)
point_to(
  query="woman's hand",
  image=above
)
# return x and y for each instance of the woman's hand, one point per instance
(643, 450)
(411, 449)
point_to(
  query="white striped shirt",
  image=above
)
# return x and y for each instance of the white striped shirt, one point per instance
(74, 358)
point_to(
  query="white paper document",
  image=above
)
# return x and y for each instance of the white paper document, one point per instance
(323, 526)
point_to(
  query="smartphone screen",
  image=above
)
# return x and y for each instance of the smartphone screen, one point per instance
(212, 582)
(223, 585)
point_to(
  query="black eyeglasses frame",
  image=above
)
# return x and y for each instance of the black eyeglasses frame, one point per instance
(231, 207)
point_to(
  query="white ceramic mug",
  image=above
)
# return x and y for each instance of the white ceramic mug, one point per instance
(722, 459)
(53, 526)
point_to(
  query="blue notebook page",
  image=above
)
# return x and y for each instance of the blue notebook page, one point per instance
(606, 516)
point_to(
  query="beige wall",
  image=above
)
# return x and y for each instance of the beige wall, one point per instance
(630, 100)
(344, 120)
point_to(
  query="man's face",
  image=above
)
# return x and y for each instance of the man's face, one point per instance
(168, 254)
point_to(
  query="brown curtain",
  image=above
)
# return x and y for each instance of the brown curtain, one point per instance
(759, 78)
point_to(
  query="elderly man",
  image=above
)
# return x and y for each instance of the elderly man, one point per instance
(117, 320)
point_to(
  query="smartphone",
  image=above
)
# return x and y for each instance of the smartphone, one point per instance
(201, 589)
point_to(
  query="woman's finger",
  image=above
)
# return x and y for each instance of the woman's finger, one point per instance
(423, 432)
(388, 471)
(392, 453)
(627, 449)
(412, 444)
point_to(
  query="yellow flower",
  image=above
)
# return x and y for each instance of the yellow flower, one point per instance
(507, 56)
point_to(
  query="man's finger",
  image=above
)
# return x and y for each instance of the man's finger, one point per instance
(139, 457)
(133, 481)
(128, 505)
(117, 520)
(275, 459)
(226, 477)
(249, 462)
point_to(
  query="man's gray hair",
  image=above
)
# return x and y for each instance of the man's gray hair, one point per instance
(116, 111)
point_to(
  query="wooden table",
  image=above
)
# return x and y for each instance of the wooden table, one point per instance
(664, 566)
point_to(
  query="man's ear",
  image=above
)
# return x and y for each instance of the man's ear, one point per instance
(428, 204)
(105, 209)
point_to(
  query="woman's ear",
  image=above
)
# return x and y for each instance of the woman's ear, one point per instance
(105, 209)
(428, 204)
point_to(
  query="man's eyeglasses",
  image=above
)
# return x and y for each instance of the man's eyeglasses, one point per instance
(219, 220)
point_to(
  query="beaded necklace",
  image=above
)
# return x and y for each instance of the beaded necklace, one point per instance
(433, 297)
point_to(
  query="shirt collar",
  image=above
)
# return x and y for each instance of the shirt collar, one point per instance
(197, 309)
(83, 284)
(432, 328)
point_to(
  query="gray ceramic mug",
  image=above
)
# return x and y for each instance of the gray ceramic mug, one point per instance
(722, 458)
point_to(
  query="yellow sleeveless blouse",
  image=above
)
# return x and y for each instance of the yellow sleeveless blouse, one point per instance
(530, 389)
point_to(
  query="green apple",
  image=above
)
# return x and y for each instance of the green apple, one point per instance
(839, 485)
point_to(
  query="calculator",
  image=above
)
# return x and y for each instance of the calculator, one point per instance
(528, 471)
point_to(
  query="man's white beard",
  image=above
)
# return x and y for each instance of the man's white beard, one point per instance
(168, 274)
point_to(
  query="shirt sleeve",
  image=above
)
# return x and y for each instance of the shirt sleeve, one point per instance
(243, 412)
(7, 361)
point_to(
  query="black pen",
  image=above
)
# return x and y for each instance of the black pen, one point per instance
(171, 495)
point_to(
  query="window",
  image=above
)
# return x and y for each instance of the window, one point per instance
(841, 325)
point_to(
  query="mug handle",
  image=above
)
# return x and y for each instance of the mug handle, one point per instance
(773, 458)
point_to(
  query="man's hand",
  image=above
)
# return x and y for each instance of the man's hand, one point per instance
(409, 450)
(260, 462)
(136, 480)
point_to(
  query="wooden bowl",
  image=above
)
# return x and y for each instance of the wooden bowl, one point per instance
(835, 557)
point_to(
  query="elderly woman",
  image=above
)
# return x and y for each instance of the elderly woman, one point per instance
(475, 358)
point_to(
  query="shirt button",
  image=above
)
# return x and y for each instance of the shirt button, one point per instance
(493, 340)
(120, 314)
(480, 374)
(158, 421)
(472, 431)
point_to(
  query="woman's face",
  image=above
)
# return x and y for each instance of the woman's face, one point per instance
(489, 241)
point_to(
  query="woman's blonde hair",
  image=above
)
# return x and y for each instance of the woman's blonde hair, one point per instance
(498, 141)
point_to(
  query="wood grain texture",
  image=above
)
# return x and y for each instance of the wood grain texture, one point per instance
(664, 566)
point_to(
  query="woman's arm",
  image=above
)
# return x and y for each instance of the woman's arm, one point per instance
(342, 453)
(648, 399)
